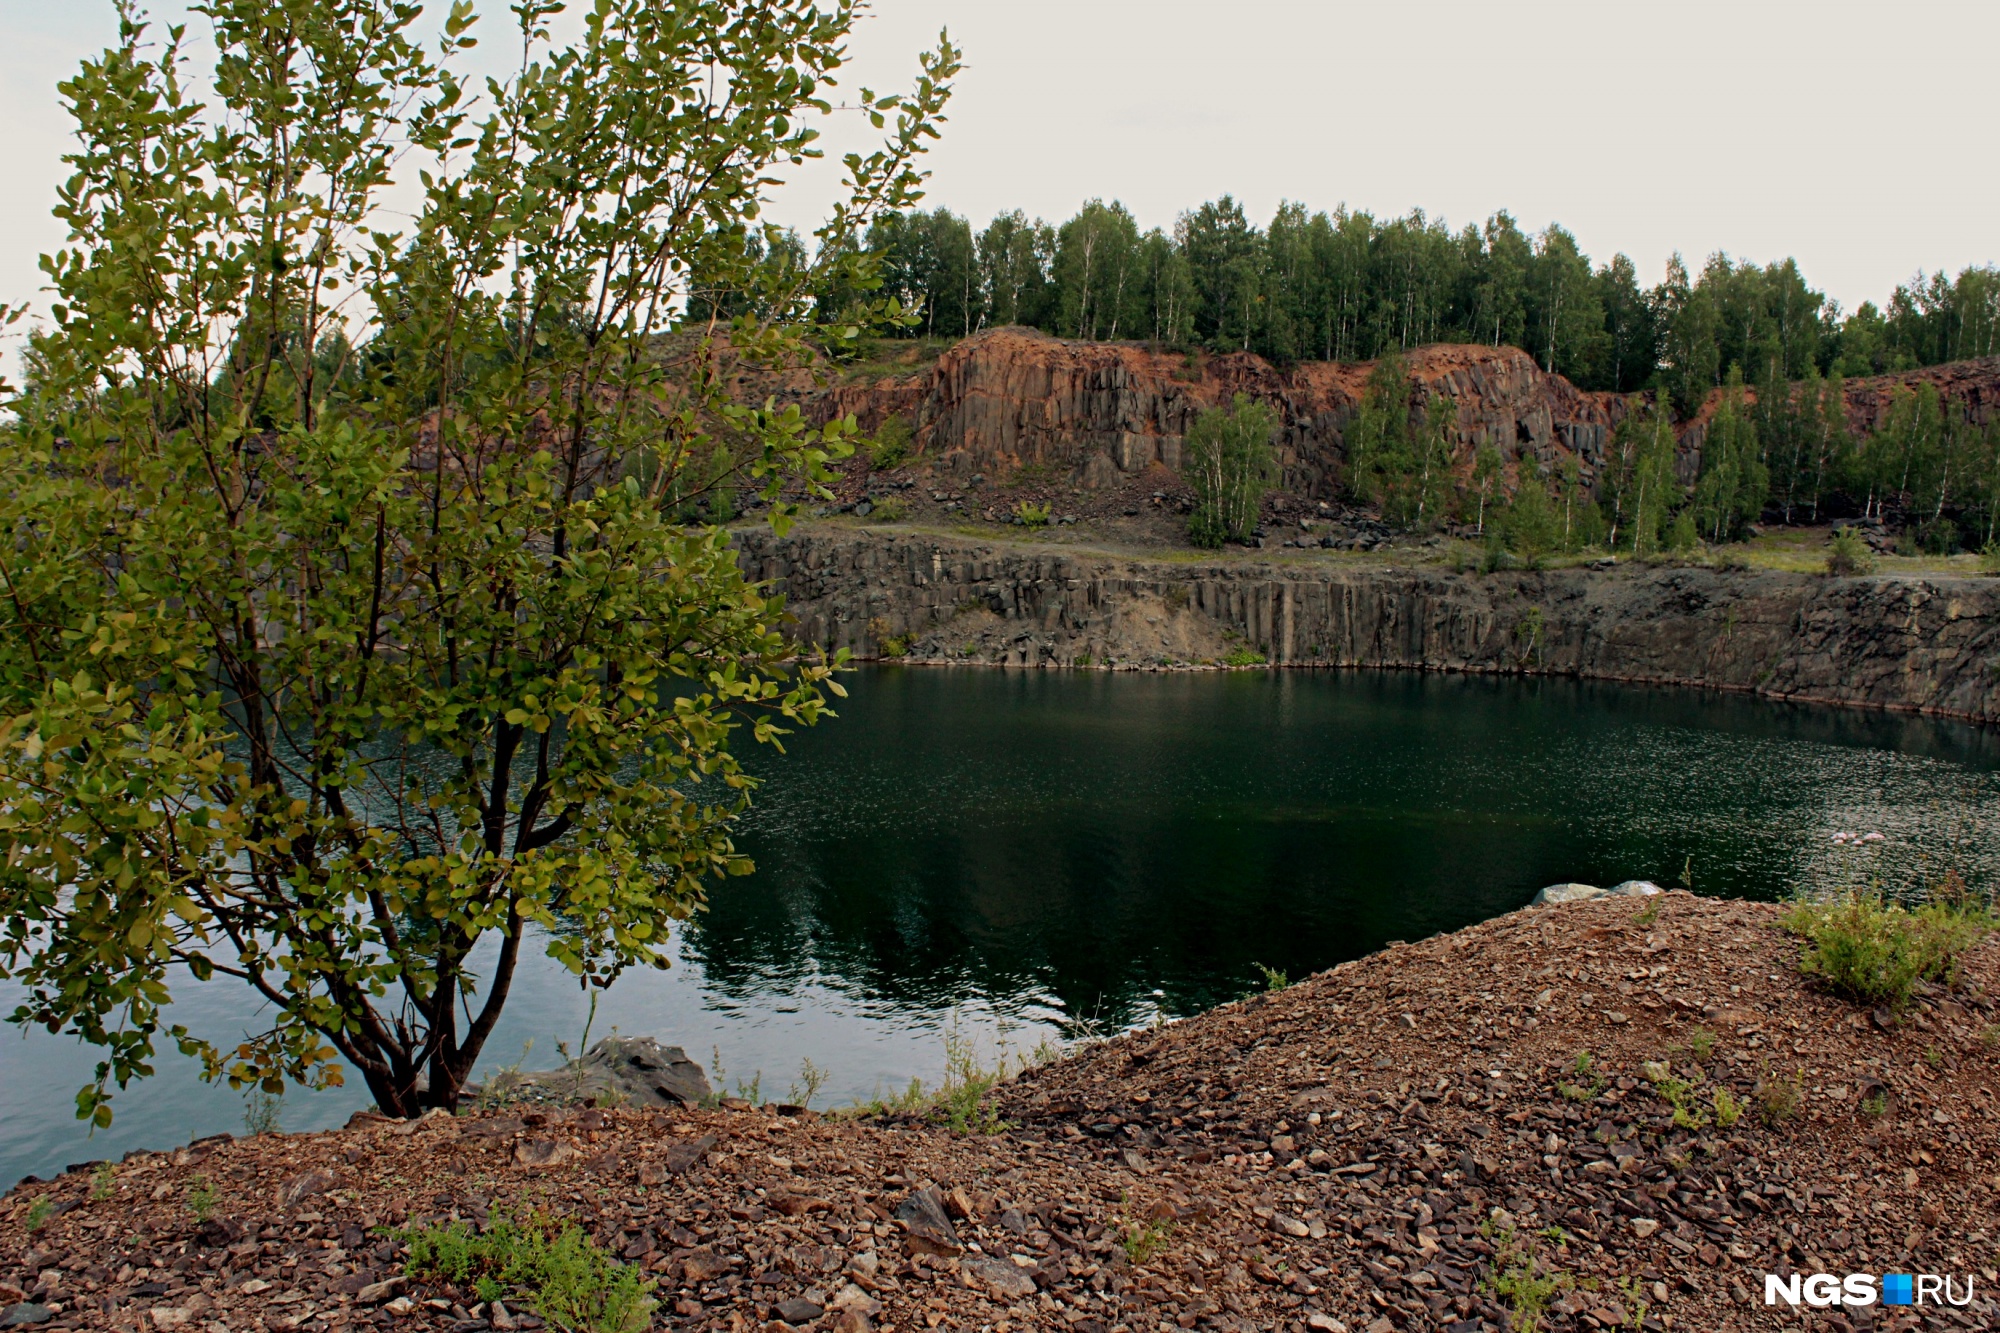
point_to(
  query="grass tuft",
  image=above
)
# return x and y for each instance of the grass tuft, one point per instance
(551, 1265)
(1519, 1280)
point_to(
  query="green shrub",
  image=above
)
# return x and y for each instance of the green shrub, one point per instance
(1682, 535)
(1588, 1080)
(1518, 1279)
(1867, 948)
(890, 444)
(553, 1266)
(1243, 656)
(888, 509)
(1989, 558)
(1779, 1098)
(1144, 1242)
(1847, 555)
(1532, 527)
(1030, 515)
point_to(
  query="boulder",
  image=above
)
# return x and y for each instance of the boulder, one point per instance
(1565, 893)
(630, 1071)
(929, 1228)
(1634, 888)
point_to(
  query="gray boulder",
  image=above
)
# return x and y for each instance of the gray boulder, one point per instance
(629, 1071)
(1634, 888)
(1565, 893)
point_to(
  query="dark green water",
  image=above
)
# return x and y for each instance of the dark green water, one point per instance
(1103, 837)
(1022, 854)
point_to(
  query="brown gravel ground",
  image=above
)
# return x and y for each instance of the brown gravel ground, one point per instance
(1343, 1154)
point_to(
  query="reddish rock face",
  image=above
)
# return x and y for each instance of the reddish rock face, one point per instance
(1013, 397)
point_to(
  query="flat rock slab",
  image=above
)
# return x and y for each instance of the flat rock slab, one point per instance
(1566, 893)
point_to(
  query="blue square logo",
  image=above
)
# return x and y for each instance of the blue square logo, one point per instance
(1897, 1289)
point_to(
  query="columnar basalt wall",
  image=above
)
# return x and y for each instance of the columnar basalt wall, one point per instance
(1095, 412)
(1929, 645)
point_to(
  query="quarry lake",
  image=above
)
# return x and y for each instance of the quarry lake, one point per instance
(1024, 855)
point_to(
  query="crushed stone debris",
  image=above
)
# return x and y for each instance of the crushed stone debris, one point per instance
(1359, 1152)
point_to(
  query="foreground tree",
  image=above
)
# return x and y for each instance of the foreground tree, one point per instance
(347, 632)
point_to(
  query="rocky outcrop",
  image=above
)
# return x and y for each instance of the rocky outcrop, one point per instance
(1013, 397)
(1093, 412)
(620, 1071)
(1920, 644)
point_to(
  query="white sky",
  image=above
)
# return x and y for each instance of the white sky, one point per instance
(1855, 137)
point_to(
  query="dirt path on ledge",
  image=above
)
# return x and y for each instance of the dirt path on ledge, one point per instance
(1345, 1154)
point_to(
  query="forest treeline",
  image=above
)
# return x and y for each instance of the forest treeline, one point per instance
(1346, 286)
(1785, 454)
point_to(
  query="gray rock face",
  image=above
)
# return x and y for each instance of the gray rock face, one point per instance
(1556, 894)
(636, 1071)
(1917, 644)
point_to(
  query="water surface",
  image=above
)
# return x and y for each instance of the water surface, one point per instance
(1025, 854)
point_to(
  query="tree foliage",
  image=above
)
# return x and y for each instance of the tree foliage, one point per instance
(352, 624)
(1228, 463)
(1348, 286)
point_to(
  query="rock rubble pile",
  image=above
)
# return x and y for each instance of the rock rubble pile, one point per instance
(1623, 1110)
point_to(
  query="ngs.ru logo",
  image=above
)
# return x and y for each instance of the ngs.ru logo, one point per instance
(1823, 1289)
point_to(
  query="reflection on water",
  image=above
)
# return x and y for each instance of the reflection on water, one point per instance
(1021, 853)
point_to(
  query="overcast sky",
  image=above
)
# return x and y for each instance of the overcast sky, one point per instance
(1856, 137)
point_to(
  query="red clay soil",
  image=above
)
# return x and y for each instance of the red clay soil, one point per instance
(1382, 1147)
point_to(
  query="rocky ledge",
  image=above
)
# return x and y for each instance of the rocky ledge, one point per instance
(1635, 1095)
(1912, 644)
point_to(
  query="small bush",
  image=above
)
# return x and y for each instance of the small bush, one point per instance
(1030, 515)
(1779, 1098)
(1682, 535)
(888, 509)
(1938, 537)
(811, 1079)
(1243, 656)
(1867, 948)
(1989, 558)
(1727, 1109)
(962, 1098)
(263, 1110)
(1847, 555)
(1142, 1243)
(1518, 1279)
(201, 1200)
(1702, 1043)
(103, 1182)
(39, 1213)
(554, 1266)
(1275, 979)
(1589, 1082)
(890, 444)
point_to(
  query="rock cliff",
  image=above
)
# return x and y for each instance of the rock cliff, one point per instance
(1910, 644)
(1093, 412)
